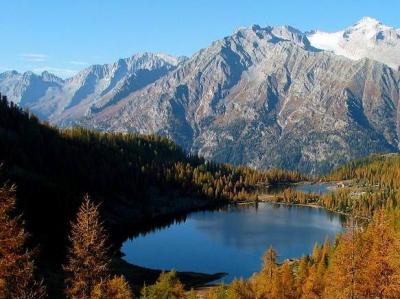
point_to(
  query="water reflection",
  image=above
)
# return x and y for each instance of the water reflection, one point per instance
(233, 239)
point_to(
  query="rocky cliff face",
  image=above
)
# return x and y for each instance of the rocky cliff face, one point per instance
(265, 97)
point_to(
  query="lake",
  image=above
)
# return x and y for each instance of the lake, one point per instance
(318, 188)
(233, 239)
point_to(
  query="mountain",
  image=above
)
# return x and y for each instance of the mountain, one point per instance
(91, 89)
(29, 89)
(367, 38)
(265, 97)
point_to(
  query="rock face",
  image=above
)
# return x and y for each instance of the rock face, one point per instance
(265, 97)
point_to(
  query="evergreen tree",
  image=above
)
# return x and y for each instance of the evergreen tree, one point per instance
(88, 262)
(301, 276)
(382, 271)
(115, 288)
(288, 290)
(239, 289)
(16, 263)
(266, 281)
(345, 273)
(269, 263)
(167, 286)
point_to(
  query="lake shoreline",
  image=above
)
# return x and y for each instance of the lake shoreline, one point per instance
(138, 275)
(276, 198)
(199, 279)
(142, 250)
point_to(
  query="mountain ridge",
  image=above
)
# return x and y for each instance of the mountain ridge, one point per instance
(368, 38)
(264, 86)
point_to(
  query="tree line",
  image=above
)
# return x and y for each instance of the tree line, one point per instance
(53, 168)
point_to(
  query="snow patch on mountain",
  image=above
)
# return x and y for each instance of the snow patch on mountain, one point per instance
(368, 38)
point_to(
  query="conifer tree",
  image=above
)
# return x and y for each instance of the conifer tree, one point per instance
(301, 276)
(276, 289)
(269, 262)
(167, 286)
(114, 288)
(346, 272)
(266, 281)
(382, 270)
(310, 287)
(287, 281)
(88, 262)
(239, 289)
(16, 262)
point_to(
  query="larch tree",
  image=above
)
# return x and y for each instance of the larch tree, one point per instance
(88, 262)
(287, 281)
(167, 286)
(263, 282)
(345, 276)
(16, 262)
(325, 251)
(114, 288)
(239, 288)
(311, 285)
(301, 276)
(269, 262)
(383, 267)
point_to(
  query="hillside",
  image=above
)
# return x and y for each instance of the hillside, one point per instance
(138, 179)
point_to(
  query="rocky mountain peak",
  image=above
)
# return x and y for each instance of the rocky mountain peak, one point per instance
(292, 96)
(368, 38)
(367, 22)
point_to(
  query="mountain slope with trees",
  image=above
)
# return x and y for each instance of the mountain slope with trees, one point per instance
(139, 180)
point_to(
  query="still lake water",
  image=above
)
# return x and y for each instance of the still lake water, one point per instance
(319, 188)
(233, 239)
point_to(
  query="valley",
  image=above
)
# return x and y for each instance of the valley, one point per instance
(264, 163)
(183, 188)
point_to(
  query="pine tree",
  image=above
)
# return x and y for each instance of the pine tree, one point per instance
(88, 262)
(16, 263)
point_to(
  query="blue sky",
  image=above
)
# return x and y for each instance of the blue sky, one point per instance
(66, 36)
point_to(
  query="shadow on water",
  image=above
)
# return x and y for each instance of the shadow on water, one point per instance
(153, 225)
(143, 228)
(231, 238)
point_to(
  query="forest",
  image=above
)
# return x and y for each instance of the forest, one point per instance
(363, 262)
(136, 179)
(63, 196)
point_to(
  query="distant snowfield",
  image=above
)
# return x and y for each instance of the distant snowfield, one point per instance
(366, 39)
